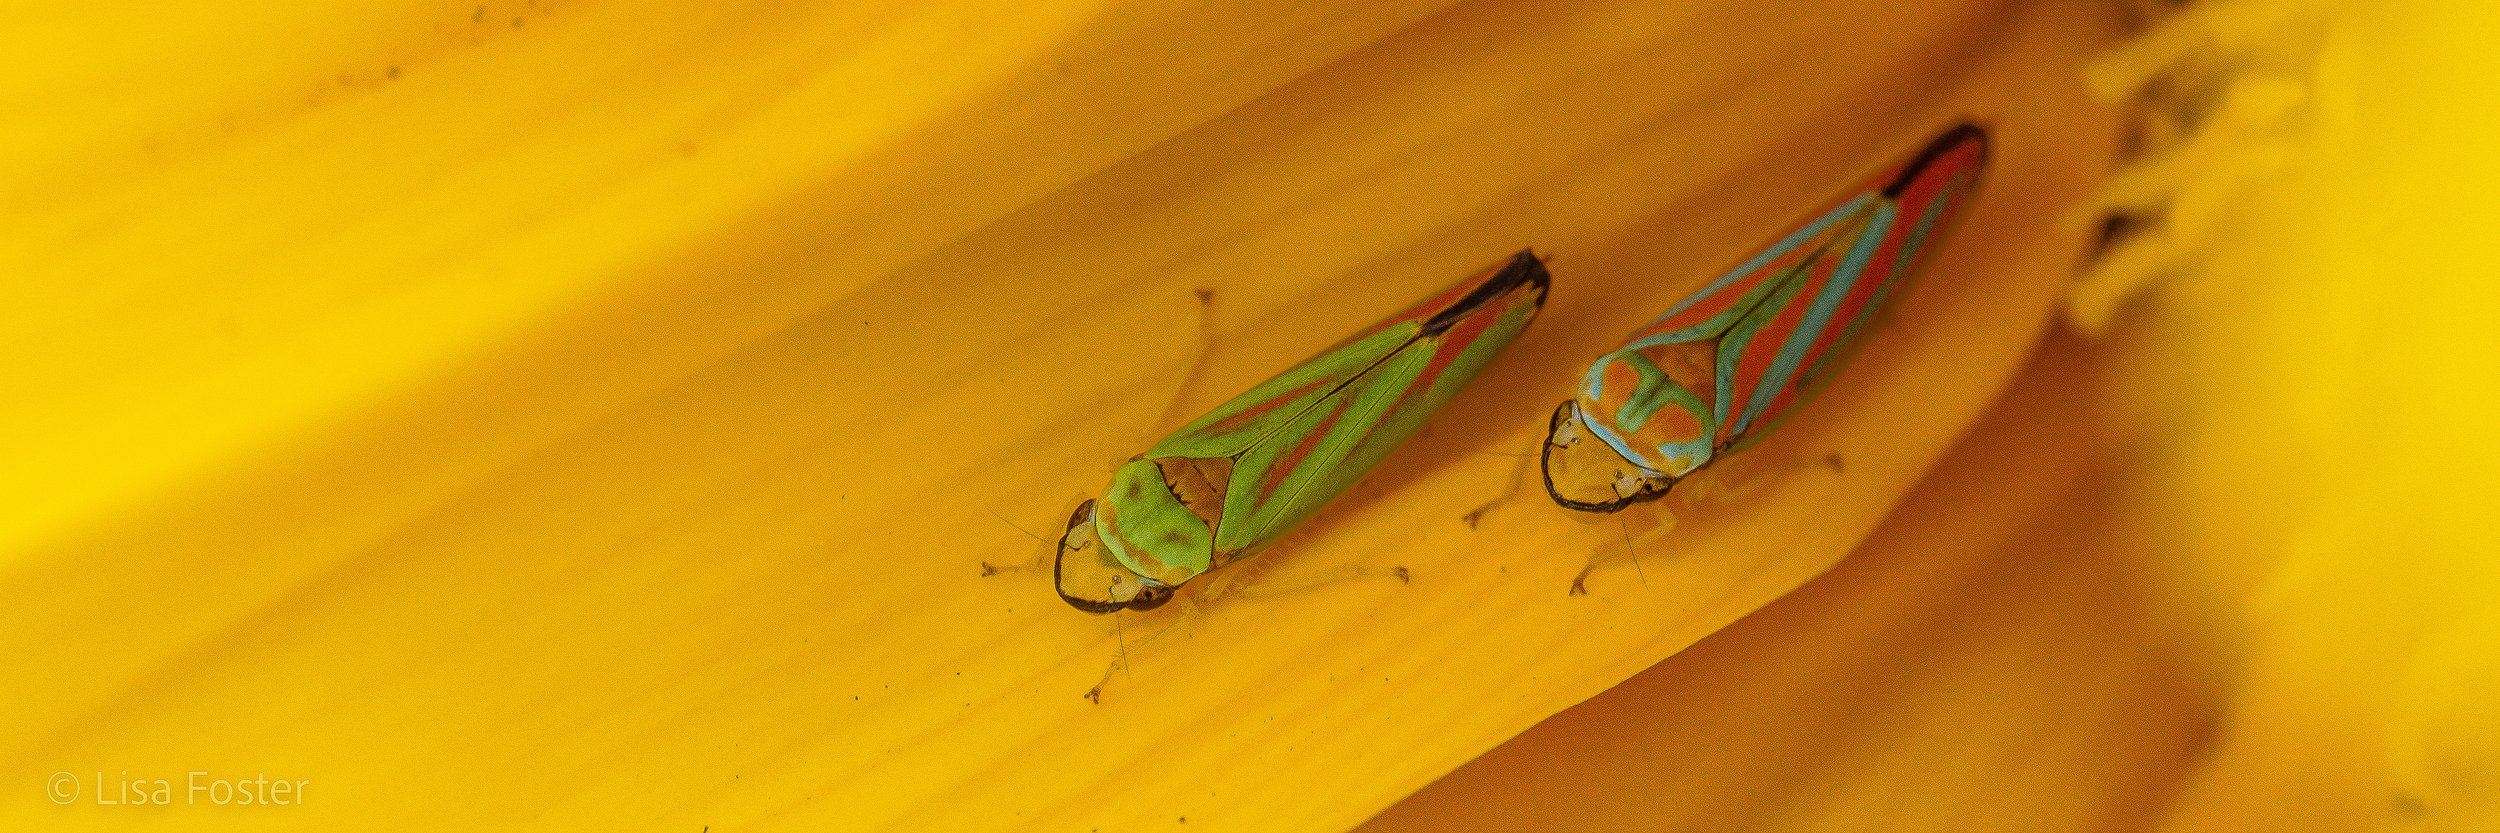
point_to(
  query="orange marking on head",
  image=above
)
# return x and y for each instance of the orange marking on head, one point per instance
(1620, 380)
(1671, 424)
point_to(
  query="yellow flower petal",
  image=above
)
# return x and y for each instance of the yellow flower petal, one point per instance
(514, 466)
(2333, 496)
(2270, 603)
(224, 268)
(270, 303)
(1979, 664)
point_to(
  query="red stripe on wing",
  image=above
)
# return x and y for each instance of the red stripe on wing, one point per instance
(1886, 267)
(1446, 349)
(1423, 310)
(1242, 418)
(1285, 465)
(1764, 347)
(1719, 302)
(1454, 341)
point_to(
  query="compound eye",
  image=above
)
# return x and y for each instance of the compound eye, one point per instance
(1150, 595)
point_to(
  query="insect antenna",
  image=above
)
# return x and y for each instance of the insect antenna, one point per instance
(1120, 635)
(1518, 479)
(989, 569)
(1018, 527)
(1118, 666)
(1197, 367)
(1636, 553)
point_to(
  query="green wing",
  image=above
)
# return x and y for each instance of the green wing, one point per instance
(1286, 447)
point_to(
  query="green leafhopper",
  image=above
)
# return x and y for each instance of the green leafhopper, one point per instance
(1237, 479)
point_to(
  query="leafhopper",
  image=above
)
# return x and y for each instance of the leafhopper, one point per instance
(1229, 484)
(1721, 368)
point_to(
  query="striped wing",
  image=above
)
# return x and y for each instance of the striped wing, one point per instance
(1786, 317)
(1295, 441)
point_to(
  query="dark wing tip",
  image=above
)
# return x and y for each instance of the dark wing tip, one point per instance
(1530, 267)
(1944, 143)
(1524, 269)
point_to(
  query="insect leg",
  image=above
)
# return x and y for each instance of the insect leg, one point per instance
(1603, 554)
(1041, 558)
(1120, 664)
(1174, 413)
(1520, 475)
(1239, 583)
